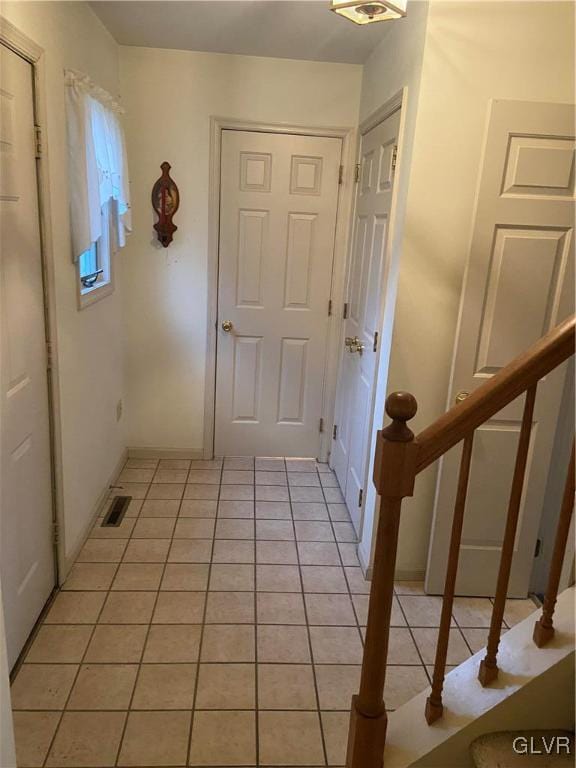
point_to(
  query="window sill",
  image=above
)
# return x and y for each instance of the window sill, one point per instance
(89, 296)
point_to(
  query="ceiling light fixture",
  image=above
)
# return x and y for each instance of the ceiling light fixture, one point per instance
(366, 13)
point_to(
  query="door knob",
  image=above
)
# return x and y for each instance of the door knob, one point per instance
(461, 396)
(227, 326)
(354, 344)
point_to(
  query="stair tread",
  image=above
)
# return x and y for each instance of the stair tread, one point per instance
(537, 748)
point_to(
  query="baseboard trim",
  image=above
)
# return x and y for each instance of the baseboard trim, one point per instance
(96, 510)
(399, 575)
(409, 575)
(165, 453)
(366, 568)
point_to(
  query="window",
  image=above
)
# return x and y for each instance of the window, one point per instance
(89, 266)
(94, 265)
(98, 180)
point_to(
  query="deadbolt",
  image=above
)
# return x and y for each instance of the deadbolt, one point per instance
(227, 326)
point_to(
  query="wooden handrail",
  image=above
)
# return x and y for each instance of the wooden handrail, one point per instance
(504, 387)
(399, 458)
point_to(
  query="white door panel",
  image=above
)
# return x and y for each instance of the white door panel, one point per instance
(518, 287)
(357, 454)
(278, 205)
(26, 554)
(356, 385)
(339, 457)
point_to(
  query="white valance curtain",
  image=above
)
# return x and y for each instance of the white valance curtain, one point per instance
(98, 166)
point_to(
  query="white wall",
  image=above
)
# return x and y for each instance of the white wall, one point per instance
(89, 344)
(396, 64)
(474, 51)
(169, 98)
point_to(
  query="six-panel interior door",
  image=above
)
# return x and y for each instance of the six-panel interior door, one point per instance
(357, 378)
(278, 203)
(26, 554)
(518, 287)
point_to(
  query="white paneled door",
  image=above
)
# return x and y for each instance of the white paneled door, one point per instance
(519, 286)
(365, 298)
(278, 203)
(26, 553)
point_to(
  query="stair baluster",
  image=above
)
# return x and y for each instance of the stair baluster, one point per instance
(434, 705)
(544, 629)
(488, 671)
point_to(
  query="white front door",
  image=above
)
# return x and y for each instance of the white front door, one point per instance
(365, 297)
(518, 287)
(278, 201)
(26, 552)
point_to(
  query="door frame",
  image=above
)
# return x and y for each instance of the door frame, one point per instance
(342, 233)
(399, 101)
(30, 51)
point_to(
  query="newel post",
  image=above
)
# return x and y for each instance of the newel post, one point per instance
(394, 475)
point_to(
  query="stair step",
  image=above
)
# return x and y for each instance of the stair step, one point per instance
(534, 691)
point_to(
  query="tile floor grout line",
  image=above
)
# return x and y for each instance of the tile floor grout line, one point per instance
(74, 681)
(349, 591)
(455, 620)
(345, 576)
(116, 565)
(312, 659)
(414, 642)
(188, 759)
(143, 651)
(176, 663)
(256, 676)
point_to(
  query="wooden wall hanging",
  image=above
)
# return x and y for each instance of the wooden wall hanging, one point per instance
(165, 201)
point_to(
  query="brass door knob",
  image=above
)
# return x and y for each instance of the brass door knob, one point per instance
(461, 396)
(227, 326)
(354, 344)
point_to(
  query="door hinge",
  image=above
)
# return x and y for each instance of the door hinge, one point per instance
(56, 532)
(334, 431)
(375, 345)
(345, 312)
(329, 307)
(357, 173)
(38, 141)
(340, 174)
(360, 496)
(49, 355)
(394, 157)
(321, 425)
(538, 548)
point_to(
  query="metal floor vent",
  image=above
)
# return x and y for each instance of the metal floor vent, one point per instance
(116, 513)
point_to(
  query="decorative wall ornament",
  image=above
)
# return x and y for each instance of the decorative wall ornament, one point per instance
(165, 201)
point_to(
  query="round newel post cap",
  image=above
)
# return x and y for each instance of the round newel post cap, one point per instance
(401, 406)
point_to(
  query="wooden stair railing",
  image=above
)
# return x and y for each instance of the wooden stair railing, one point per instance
(400, 456)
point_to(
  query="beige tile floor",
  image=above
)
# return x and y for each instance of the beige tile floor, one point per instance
(221, 624)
